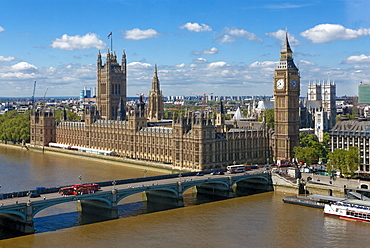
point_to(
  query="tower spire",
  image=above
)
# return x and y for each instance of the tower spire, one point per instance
(155, 81)
(155, 101)
(286, 56)
(286, 50)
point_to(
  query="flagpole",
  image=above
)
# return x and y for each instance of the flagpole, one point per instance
(111, 42)
(110, 36)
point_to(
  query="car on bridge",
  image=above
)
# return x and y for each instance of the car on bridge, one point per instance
(34, 195)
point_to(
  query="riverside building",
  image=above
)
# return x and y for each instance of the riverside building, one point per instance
(191, 141)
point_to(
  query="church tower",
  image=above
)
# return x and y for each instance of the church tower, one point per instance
(155, 101)
(111, 87)
(286, 110)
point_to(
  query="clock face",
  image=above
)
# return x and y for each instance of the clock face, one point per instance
(293, 84)
(280, 84)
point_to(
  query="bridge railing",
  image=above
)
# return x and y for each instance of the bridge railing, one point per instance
(44, 190)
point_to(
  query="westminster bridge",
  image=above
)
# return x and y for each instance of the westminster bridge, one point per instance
(17, 209)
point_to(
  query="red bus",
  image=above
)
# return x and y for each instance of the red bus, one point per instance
(283, 163)
(79, 189)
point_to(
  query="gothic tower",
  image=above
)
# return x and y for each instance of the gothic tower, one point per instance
(111, 87)
(286, 110)
(155, 101)
(329, 102)
(43, 127)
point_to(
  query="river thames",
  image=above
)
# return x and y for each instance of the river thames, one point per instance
(260, 220)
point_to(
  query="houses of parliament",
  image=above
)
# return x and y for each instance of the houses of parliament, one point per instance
(190, 141)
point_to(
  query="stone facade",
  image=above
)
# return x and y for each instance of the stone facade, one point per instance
(286, 110)
(347, 133)
(193, 141)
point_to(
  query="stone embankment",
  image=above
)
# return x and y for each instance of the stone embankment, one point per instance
(316, 184)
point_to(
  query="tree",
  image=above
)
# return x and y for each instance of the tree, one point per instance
(15, 127)
(352, 160)
(311, 140)
(344, 161)
(270, 118)
(306, 154)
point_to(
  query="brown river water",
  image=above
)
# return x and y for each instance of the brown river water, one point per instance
(260, 220)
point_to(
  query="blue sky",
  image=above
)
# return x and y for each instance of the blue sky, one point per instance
(220, 47)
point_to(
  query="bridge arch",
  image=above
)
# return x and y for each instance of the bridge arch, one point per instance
(225, 184)
(121, 196)
(16, 215)
(262, 178)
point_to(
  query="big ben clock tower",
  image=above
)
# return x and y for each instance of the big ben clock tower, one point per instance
(286, 110)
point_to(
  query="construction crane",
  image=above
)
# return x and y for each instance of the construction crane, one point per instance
(46, 91)
(33, 94)
(204, 97)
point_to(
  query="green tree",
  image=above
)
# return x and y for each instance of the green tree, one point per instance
(306, 154)
(311, 140)
(270, 118)
(15, 127)
(344, 161)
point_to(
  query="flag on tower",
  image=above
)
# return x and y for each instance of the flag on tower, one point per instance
(109, 35)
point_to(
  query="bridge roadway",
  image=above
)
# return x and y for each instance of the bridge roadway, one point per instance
(17, 213)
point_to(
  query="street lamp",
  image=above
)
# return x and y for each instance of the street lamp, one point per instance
(144, 173)
(180, 176)
(114, 184)
(80, 177)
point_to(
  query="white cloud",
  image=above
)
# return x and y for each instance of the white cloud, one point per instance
(281, 34)
(182, 65)
(330, 32)
(196, 27)
(307, 63)
(217, 64)
(78, 42)
(264, 64)
(212, 50)
(243, 33)
(138, 34)
(22, 66)
(136, 65)
(360, 59)
(1, 29)
(225, 39)
(7, 59)
(286, 6)
(199, 61)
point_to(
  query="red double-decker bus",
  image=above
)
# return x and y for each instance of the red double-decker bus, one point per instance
(79, 189)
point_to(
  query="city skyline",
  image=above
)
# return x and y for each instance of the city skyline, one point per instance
(226, 48)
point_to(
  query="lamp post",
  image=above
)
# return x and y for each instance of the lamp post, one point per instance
(144, 172)
(80, 177)
(114, 184)
(180, 176)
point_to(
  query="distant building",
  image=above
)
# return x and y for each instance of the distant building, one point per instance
(364, 93)
(319, 111)
(347, 133)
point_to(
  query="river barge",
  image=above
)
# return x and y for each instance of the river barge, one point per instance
(315, 201)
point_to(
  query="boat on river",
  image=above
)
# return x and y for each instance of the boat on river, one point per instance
(349, 209)
(315, 201)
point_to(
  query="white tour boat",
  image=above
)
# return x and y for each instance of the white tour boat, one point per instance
(349, 209)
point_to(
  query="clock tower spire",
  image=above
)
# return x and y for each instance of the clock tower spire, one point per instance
(286, 110)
